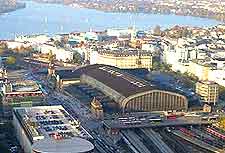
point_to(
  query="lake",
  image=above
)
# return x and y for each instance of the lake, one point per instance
(50, 19)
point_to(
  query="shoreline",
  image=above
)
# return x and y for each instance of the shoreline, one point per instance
(150, 12)
(147, 10)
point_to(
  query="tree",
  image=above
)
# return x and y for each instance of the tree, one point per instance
(222, 93)
(155, 65)
(58, 43)
(11, 60)
(185, 32)
(157, 30)
(3, 47)
(77, 58)
(222, 122)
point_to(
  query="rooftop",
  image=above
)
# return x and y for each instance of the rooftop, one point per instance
(207, 82)
(118, 52)
(122, 82)
(25, 86)
(73, 145)
(22, 87)
(73, 73)
(49, 122)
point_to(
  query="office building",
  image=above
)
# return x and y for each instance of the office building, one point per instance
(208, 91)
(127, 59)
(50, 129)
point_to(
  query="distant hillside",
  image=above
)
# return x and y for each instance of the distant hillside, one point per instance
(10, 5)
(49, 1)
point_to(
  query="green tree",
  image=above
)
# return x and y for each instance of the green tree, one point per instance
(10, 60)
(157, 30)
(185, 32)
(3, 47)
(58, 43)
(222, 93)
(77, 58)
(155, 65)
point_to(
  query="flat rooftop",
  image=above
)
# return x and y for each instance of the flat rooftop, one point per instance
(49, 122)
(24, 86)
(74, 145)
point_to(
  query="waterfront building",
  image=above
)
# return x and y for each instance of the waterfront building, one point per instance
(17, 44)
(34, 39)
(61, 54)
(120, 32)
(208, 91)
(50, 129)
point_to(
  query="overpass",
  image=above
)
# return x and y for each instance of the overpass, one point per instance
(120, 125)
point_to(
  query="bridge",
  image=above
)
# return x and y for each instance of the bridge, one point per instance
(118, 124)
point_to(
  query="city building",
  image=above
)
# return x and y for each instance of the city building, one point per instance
(17, 44)
(50, 129)
(208, 91)
(20, 94)
(61, 54)
(127, 59)
(34, 39)
(131, 93)
(120, 32)
(200, 69)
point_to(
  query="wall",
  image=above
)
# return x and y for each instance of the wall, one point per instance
(155, 100)
(21, 136)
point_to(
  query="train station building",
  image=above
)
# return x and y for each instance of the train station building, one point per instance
(131, 93)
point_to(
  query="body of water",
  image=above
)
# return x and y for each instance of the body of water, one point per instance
(39, 18)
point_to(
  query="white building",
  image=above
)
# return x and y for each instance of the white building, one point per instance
(35, 39)
(49, 129)
(119, 32)
(60, 53)
(151, 47)
(16, 44)
(217, 76)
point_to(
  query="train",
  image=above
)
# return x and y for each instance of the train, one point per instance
(186, 132)
(215, 133)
